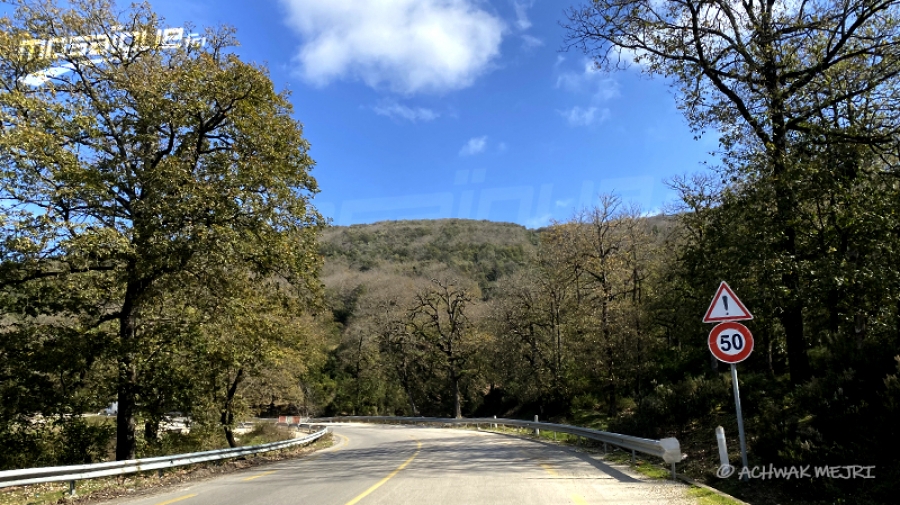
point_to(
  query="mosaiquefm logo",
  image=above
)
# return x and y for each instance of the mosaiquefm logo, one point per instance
(98, 47)
(799, 472)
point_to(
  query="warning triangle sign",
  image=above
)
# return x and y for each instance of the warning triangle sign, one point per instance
(726, 306)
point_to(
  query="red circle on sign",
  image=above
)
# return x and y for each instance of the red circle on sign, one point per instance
(730, 342)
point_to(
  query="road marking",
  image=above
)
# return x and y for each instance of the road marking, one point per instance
(177, 499)
(260, 475)
(577, 499)
(341, 446)
(382, 481)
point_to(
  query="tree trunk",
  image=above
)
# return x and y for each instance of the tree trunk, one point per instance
(126, 387)
(356, 404)
(227, 417)
(125, 425)
(412, 405)
(151, 432)
(771, 359)
(229, 436)
(456, 398)
(557, 373)
(792, 302)
(792, 321)
(612, 407)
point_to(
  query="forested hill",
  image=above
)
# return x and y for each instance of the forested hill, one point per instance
(481, 250)
(597, 320)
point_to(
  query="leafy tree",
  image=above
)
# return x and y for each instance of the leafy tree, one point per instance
(253, 345)
(144, 165)
(771, 77)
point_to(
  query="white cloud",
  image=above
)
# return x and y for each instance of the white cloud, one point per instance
(475, 145)
(565, 203)
(584, 116)
(522, 21)
(590, 80)
(502, 147)
(407, 46)
(395, 110)
(531, 42)
(539, 221)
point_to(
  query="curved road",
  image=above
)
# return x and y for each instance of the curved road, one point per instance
(407, 465)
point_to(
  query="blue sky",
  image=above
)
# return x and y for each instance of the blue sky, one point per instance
(457, 108)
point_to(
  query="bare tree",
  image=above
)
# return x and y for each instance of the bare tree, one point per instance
(439, 319)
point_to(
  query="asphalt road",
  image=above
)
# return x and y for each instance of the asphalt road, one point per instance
(399, 465)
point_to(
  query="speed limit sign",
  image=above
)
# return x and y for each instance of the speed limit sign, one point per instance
(730, 342)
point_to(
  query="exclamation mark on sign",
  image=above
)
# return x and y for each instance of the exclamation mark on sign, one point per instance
(725, 301)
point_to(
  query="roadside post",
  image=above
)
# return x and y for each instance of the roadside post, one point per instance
(723, 449)
(731, 342)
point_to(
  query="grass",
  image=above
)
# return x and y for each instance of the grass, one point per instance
(111, 487)
(640, 465)
(707, 497)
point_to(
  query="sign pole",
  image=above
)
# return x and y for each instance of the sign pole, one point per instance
(731, 342)
(740, 418)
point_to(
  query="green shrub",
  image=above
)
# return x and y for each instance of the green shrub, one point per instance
(80, 442)
(62, 441)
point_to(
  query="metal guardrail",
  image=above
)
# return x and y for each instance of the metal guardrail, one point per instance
(667, 448)
(72, 473)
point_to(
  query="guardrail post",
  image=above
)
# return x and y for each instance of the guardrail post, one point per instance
(673, 471)
(537, 432)
(494, 425)
(632, 456)
(605, 450)
(71, 488)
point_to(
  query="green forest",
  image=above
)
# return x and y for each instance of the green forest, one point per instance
(160, 248)
(597, 321)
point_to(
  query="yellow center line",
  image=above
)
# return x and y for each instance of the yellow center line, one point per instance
(382, 481)
(260, 475)
(177, 499)
(346, 441)
(577, 499)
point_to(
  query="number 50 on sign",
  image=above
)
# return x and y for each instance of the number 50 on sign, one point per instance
(731, 342)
